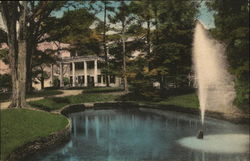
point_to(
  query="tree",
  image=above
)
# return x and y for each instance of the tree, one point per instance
(5, 82)
(74, 28)
(41, 61)
(106, 7)
(124, 18)
(232, 28)
(16, 13)
(38, 13)
(144, 13)
(171, 57)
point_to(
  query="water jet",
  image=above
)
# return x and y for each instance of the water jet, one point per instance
(215, 84)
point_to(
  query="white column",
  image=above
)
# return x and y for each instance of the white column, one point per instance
(61, 75)
(73, 74)
(52, 74)
(85, 74)
(95, 72)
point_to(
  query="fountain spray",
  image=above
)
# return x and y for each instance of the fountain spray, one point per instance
(215, 84)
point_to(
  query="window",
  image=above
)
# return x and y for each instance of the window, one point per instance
(99, 79)
(79, 65)
(90, 65)
(112, 79)
(100, 65)
(71, 80)
(103, 78)
(79, 79)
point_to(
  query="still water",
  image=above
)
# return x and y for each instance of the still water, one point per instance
(138, 135)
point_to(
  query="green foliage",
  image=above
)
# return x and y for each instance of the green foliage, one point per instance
(5, 82)
(3, 36)
(232, 28)
(74, 28)
(242, 97)
(4, 55)
(143, 90)
(171, 54)
(56, 82)
(20, 126)
(66, 81)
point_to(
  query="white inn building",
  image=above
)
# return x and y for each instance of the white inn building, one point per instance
(82, 71)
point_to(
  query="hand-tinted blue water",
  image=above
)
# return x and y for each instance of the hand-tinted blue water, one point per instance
(113, 135)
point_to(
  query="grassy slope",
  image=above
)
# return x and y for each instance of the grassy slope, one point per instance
(102, 89)
(50, 104)
(19, 126)
(187, 100)
(6, 96)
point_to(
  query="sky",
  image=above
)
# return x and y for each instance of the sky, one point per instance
(205, 16)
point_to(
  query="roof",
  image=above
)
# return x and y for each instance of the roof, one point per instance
(81, 58)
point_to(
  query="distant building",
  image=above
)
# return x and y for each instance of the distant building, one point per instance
(80, 71)
(83, 71)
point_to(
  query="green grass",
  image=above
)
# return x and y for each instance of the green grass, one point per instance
(186, 100)
(19, 126)
(44, 93)
(50, 104)
(102, 89)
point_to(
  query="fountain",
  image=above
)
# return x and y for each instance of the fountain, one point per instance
(215, 84)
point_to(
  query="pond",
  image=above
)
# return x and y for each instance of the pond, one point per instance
(141, 135)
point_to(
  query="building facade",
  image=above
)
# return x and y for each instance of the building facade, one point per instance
(82, 71)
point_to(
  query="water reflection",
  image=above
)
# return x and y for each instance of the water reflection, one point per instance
(110, 135)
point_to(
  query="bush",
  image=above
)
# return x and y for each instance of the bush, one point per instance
(66, 81)
(144, 90)
(5, 82)
(56, 82)
(242, 94)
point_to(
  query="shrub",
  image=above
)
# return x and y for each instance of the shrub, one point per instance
(5, 82)
(242, 94)
(56, 82)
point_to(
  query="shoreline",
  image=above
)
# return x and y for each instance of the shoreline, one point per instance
(57, 138)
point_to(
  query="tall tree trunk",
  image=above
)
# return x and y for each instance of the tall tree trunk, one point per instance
(156, 23)
(104, 42)
(42, 82)
(124, 63)
(9, 16)
(30, 51)
(148, 43)
(148, 37)
(22, 52)
(13, 52)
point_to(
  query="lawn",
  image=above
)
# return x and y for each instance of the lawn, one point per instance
(19, 126)
(50, 104)
(102, 89)
(189, 100)
(44, 93)
(186, 100)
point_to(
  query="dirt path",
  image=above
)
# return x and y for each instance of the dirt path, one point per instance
(4, 105)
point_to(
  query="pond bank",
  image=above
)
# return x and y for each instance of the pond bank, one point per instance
(231, 117)
(62, 136)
